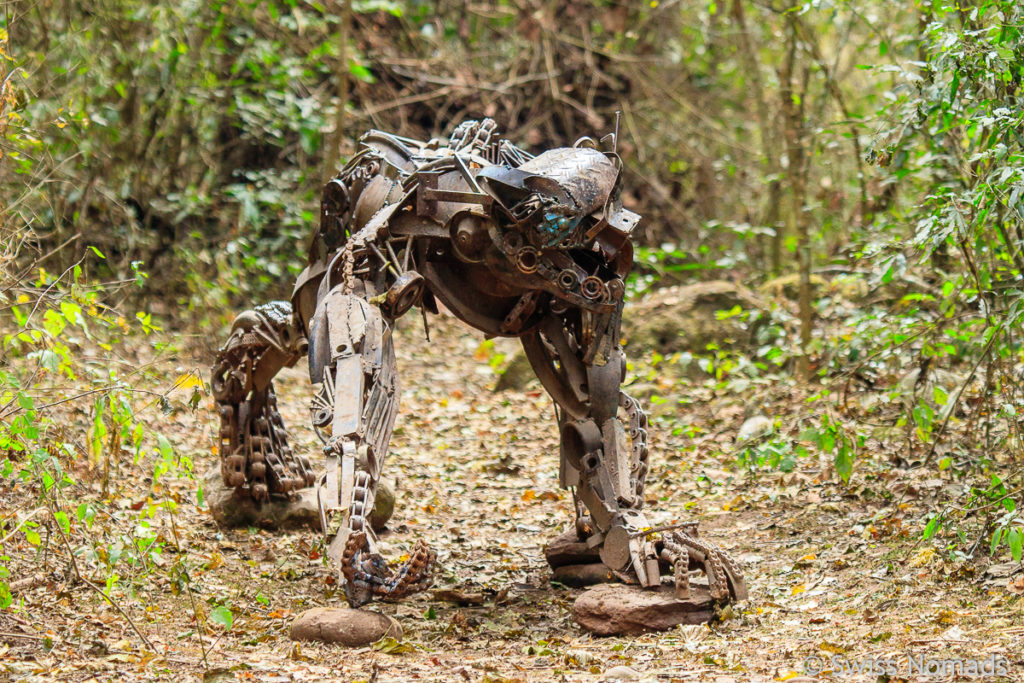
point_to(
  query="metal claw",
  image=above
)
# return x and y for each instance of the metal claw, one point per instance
(368, 576)
(686, 552)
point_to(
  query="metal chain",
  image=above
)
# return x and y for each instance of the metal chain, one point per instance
(348, 265)
(638, 436)
(252, 435)
(366, 573)
(680, 548)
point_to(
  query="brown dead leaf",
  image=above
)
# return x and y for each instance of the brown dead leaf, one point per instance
(458, 597)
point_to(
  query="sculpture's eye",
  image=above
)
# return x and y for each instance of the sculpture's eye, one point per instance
(556, 226)
(546, 221)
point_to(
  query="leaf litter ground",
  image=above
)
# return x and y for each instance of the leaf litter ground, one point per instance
(834, 571)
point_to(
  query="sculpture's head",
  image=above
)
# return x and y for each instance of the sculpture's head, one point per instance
(561, 198)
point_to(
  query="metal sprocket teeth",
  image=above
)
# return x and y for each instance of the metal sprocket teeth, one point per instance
(685, 552)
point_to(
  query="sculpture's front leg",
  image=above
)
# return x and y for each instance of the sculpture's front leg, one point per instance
(253, 443)
(607, 458)
(352, 351)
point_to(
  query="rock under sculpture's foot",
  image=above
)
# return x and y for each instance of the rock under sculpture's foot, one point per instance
(618, 609)
(682, 598)
(235, 508)
(575, 564)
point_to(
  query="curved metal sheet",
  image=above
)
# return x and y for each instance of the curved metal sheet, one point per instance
(586, 175)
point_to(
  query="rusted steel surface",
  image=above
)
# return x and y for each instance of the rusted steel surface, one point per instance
(514, 245)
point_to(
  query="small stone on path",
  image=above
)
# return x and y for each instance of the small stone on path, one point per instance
(383, 504)
(349, 627)
(755, 428)
(620, 673)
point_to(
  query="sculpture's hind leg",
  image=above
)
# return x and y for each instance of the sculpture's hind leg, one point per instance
(253, 442)
(604, 461)
(353, 354)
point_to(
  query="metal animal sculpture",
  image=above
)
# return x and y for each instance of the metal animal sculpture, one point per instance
(535, 247)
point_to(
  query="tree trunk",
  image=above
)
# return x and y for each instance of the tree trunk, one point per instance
(768, 134)
(795, 135)
(332, 148)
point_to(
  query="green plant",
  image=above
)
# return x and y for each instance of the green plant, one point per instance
(774, 453)
(62, 346)
(833, 437)
(951, 141)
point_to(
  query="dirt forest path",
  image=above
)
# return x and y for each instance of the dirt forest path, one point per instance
(833, 571)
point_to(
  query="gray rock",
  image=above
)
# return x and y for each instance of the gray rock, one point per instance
(383, 504)
(517, 373)
(618, 609)
(684, 318)
(621, 673)
(756, 427)
(232, 508)
(349, 627)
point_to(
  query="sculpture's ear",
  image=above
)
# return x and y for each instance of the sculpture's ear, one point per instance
(509, 186)
(504, 184)
(622, 219)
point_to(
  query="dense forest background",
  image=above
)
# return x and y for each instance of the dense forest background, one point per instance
(859, 164)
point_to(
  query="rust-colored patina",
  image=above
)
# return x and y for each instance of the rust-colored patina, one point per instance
(514, 245)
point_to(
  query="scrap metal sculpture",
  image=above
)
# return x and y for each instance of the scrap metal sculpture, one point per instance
(535, 247)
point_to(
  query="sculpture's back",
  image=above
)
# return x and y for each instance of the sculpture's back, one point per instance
(485, 223)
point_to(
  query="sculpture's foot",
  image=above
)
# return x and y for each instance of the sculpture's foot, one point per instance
(253, 442)
(367, 575)
(681, 551)
(568, 549)
(575, 564)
